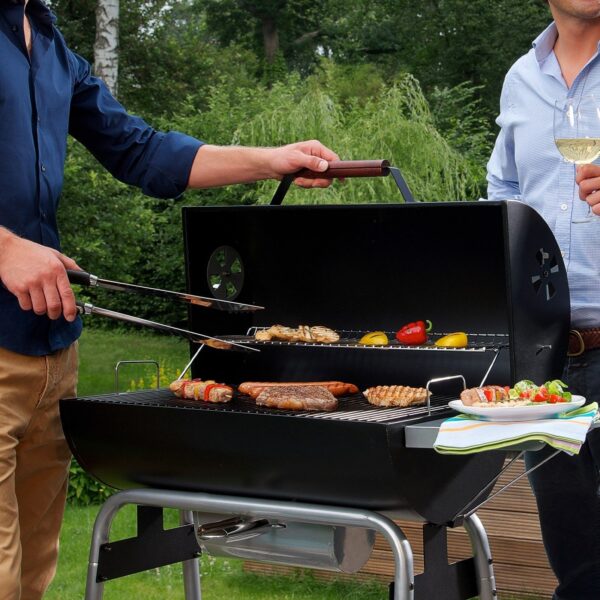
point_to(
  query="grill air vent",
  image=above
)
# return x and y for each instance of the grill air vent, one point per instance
(225, 273)
(548, 267)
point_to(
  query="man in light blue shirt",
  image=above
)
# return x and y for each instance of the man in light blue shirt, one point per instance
(526, 165)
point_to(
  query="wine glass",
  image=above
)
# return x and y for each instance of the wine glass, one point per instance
(577, 133)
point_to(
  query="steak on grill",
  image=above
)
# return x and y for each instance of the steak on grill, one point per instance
(298, 397)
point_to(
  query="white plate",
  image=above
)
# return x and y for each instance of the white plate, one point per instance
(530, 412)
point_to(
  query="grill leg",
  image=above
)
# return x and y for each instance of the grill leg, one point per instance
(94, 590)
(191, 568)
(486, 581)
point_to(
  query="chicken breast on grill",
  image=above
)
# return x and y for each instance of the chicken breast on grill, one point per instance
(303, 333)
(395, 395)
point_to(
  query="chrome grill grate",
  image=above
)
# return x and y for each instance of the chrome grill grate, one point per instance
(351, 408)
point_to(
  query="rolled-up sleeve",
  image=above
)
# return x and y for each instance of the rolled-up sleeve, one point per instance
(134, 152)
(502, 176)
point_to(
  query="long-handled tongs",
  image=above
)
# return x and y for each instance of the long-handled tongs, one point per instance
(89, 280)
(86, 308)
(83, 278)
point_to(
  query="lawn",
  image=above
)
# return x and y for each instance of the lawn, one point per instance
(100, 350)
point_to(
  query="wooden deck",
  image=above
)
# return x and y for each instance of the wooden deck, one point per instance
(511, 522)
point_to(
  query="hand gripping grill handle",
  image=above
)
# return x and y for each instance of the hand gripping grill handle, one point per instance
(340, 169)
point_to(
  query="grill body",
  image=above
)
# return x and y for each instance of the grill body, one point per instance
(150, 439)
(487, 267)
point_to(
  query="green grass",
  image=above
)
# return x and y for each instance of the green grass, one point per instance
(100, 350)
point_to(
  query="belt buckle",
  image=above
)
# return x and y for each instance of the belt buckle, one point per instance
(581, 343)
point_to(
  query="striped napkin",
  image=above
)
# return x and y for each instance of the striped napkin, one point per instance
(467, 434)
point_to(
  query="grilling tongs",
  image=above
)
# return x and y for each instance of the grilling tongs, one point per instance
(86, 279)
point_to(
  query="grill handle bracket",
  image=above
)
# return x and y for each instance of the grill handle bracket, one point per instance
(136, 362)
(340, 169)
(439, 380)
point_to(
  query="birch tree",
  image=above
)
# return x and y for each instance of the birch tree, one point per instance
(106, 45)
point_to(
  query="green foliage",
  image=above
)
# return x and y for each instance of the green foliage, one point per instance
(442, 42)
(104, 223)
(84, 489)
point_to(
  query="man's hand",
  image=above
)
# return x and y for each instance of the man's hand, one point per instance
(224, 165)
(310, 155)
(588, 179)
(36, 276)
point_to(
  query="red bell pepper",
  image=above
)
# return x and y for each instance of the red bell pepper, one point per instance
(414, 334)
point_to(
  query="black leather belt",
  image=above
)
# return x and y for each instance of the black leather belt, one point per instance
(581, 340)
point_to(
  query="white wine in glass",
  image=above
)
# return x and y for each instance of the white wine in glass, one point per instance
(577, 133)
(580, 151)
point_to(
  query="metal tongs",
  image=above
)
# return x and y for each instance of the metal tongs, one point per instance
(85, 308)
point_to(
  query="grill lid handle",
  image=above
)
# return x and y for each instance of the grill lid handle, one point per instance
(340, 169)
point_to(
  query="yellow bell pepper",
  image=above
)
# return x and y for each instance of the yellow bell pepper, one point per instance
(453, 340)
(374, 338)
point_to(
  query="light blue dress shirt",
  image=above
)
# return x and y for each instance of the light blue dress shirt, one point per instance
(526, 165)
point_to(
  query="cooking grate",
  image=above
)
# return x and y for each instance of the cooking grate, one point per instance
(351, 408)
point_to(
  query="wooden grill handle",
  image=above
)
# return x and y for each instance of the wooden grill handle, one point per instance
(348, 168)
(339, 169)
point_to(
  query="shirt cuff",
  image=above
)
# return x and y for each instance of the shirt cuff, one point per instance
(169, 170)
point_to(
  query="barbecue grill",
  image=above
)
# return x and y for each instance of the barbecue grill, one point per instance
(492, 269)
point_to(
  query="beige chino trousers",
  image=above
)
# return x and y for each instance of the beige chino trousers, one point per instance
(34, 464)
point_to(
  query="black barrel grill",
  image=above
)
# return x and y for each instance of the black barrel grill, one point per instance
(492, 269)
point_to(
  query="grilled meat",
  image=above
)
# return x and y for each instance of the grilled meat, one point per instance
(298, 397)
(395, 395)
(337, 388)
(196, 389)
(486, 394)
(304, 333)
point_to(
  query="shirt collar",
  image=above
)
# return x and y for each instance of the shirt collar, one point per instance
(38, 10)
(543, 44)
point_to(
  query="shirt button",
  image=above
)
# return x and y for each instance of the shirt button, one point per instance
(15, 28)
(562, 253)
(43, 215)
(563, 207)
(43, 167)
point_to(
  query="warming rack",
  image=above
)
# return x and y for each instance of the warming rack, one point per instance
(349, 338)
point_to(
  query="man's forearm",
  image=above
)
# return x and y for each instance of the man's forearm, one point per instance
(224, 165)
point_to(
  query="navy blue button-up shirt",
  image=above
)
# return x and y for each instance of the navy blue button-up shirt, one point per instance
(42, 99)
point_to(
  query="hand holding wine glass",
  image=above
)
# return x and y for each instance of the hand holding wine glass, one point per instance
(577, 133)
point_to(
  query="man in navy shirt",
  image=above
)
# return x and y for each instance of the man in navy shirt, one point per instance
(46, 93)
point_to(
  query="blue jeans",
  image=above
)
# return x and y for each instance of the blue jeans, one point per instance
(567, 492)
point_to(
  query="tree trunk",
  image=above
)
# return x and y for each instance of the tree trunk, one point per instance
(270, 38)
(106, 46)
